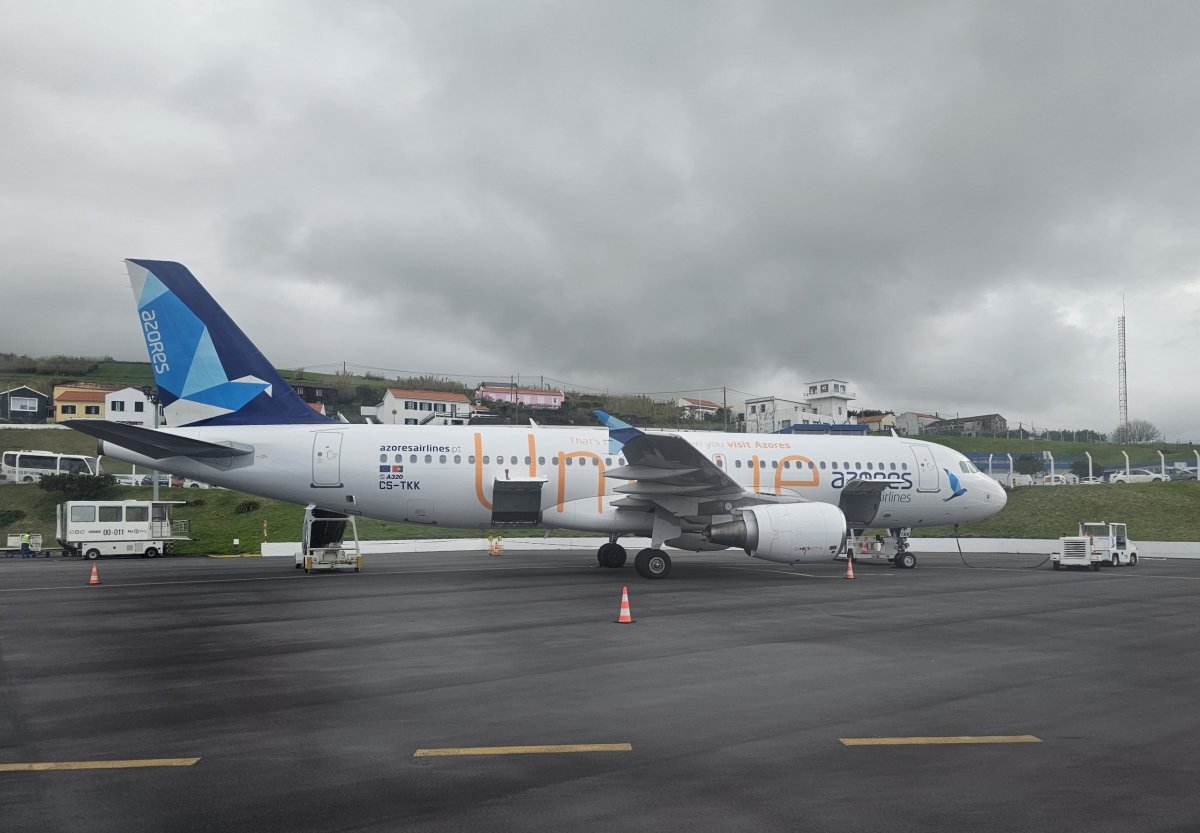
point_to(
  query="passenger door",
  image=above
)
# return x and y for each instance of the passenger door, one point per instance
(327, 460)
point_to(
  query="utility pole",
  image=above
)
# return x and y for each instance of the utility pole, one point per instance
(724, 409)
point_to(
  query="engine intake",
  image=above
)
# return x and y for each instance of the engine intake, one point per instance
(784, 533)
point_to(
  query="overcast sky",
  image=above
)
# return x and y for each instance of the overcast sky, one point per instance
(941, 203)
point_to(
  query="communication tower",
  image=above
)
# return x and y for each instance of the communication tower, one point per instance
(1122, 388)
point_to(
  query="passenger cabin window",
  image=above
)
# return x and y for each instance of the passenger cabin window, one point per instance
(83, 514)
(110, 514)
(137, 514)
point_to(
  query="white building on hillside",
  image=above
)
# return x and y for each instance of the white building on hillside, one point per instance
(129, 406)
(696, 408)
(420, 407)
(826, 403)
(911, 423)
(830, 397)
(768, 414)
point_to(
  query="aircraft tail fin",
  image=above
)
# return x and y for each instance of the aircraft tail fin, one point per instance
(208, 372)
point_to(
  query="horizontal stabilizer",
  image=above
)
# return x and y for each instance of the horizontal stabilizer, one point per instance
(154, 444)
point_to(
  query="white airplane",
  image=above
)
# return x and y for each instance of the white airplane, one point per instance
(235, 422)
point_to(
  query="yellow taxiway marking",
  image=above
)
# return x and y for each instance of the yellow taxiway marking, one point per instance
(136, 764)
(932, 741)
(523, 750)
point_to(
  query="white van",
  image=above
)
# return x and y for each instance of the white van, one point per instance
(93, 528)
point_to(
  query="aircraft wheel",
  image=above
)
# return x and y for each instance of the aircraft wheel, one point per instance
(652, 563)
(611, 555)
(906, 561)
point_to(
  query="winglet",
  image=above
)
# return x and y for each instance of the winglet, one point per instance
(619, 432)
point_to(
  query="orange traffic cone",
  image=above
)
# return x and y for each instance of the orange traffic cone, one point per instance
(849, 567)
(95, 579)
(625, 618)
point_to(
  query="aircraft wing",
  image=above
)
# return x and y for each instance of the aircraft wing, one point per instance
(157, 445)
(666, 471)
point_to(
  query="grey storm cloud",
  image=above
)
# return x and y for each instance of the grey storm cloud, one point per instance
(939, 202)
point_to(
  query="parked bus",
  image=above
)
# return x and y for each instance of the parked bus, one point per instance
(29, 466)
(93, 528)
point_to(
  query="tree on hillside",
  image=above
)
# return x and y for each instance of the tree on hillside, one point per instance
(1079, 468)
(79, 486)
(1136, 431)
(1029, 464)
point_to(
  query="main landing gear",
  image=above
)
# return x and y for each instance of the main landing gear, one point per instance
(611, 554)
(650, 562)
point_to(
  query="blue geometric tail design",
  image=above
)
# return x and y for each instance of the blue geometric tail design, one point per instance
(208, 372)
(619, 432)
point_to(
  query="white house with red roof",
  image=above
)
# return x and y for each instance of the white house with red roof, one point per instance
(697, 408)
(419, 407)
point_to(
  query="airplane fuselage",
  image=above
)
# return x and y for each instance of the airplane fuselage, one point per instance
(449, 476)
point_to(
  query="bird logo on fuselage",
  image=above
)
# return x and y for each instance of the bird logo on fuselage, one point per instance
(956, 488)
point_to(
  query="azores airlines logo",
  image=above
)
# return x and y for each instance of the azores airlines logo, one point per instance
(185, 362)
(956, 488)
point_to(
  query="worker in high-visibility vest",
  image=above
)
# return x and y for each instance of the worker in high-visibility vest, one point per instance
(25, 553)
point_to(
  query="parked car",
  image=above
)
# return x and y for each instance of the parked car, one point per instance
(163, 480)
(1090, 481)
(127, 479)
(1135, 476)
(1059, 479)
(1182, 474)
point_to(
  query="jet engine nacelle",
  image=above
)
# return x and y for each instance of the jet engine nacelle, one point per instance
(786, 533)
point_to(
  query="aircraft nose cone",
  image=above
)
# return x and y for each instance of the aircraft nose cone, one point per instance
(999, 497)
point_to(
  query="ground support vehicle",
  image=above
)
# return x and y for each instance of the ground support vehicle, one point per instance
(892, 548)
(95, 528)
(321, 542)
(1098, 543)
(13, 549)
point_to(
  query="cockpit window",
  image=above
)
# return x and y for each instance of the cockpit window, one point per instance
(967, 467)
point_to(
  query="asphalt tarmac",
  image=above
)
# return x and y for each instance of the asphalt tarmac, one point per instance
(245, 695)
